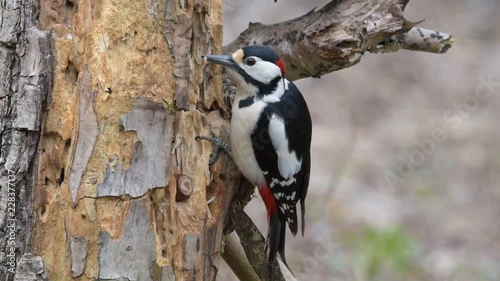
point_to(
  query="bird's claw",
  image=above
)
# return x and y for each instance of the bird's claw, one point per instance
(219, 145)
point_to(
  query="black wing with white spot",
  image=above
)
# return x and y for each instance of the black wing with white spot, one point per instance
(281, 143)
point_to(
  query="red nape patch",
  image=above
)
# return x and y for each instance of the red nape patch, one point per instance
(281, 64)
(268, 198)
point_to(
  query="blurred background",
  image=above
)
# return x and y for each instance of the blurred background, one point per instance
(405, 154)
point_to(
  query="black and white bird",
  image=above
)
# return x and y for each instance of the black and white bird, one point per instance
(270, 137)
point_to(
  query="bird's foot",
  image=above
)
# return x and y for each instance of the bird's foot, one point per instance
(219, 145)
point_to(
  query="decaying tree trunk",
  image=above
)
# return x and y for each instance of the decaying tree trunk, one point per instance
(100, 103)
(97, 168)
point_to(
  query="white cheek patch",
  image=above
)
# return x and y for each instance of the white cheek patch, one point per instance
(288, 164)
(262, 71)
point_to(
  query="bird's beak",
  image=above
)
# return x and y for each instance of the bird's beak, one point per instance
(225, 60)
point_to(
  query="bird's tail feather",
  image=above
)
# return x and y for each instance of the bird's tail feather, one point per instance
(276, 242)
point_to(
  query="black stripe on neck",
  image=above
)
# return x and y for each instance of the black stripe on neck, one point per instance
(264, 89)
(246, 102)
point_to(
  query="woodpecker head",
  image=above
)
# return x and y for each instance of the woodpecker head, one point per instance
(256, 66)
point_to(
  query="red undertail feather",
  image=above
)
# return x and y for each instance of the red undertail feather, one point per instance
(268, 198)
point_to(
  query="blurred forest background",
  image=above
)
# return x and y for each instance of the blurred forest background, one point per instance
(387, 201)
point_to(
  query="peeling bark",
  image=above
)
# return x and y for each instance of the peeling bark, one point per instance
(31, 268)
(131, 255)
(25, 75)
(151, 152)
(86, 134)
(78, 248)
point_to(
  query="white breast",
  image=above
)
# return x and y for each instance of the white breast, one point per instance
(243, 122)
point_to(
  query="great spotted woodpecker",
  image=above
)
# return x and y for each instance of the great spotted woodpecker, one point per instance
(270, 137)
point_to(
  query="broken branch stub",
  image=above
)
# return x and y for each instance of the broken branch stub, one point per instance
(183, 186)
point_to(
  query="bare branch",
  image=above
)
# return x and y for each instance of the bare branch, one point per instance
(337, 35)
(253, 244)
(417, 39)
(235, 257)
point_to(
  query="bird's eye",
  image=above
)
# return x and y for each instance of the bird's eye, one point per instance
(250, 61)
